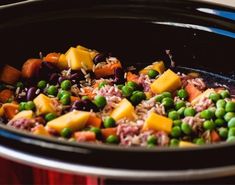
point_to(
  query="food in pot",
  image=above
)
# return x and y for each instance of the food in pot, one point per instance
(88, 96)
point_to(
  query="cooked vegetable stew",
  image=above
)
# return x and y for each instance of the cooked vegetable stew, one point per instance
(88, 96)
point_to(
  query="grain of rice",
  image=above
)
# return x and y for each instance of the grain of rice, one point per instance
(83, 71)
(37, 91)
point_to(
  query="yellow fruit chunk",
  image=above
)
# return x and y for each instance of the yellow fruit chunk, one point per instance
(27, 114)
(123, 110)
(82, 48)
(158, 66)
(168, 81)
(205, 94)
(40, 130)
(158, 123)
(62, 63)
(44, 104)
(79, 58)
(74, 120)
(186, 144)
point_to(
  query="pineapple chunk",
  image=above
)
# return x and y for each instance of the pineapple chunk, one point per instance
(158, 66)
(158, 123)
(44, 104)
(168, 81)
(74, 120)
(79, 58)
(186, 144)
(27, 114)
(123, 110)
(62, 63)
(40, 130)
(82, 48)
(203, 95)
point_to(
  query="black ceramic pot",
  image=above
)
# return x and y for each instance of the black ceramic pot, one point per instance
(201, 37)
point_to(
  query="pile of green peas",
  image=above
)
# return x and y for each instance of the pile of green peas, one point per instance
(132, 91)
(220, 118)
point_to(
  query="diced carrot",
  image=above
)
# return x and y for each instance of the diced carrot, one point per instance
(193, 92)
(5, 95)
(219, 89)
(10, 110)
(106, 132)
(94, 121)
(85, 136)
(132, 77)
(88, 92)
(30, 67)
(74, 98)
(9, 75)
(215, 136)
(52, 57)
(107, 69)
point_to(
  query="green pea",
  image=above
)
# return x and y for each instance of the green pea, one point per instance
(230, 106)
(102, 84)
(231, 132)
(152, 140)
(66, 132)
(22, 106)
(20, 84)
(176, 131)
(223, 132)
(29, 105)
(177, 122)
(182, 93)
(137, 97)
(42, 84)
(112, 139)
(228, 116)
(220, 104)
(166, 95)
(66, 85)
(208, 125)
(132, 85)
(50, 116)
(62, 93)
(225, 94)
(214, 96)
(199, 141)
(231, 139)
(52, 90)
(97, 132)
(120, 86)
(174, 115)
(167, 102)
(220, 112)
(231, 123)
(127, 91)
(109, 122)
(181, 111)
(189, 111)
(85, 98)
(100, 101)
(174, 142)
(219, 122)
(159, 98)
(206, 114)
(152, 73)
(180, 104)
(65, 99)
(186, 128)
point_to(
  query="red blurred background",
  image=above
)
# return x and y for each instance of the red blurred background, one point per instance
(19, 174)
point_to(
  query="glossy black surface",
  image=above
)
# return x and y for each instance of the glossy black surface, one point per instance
(138, 32)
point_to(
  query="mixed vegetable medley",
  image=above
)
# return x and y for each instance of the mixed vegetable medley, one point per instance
(87, 96)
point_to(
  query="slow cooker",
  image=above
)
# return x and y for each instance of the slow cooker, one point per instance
(201, 37)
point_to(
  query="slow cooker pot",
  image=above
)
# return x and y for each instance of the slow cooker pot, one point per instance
(201, 37)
